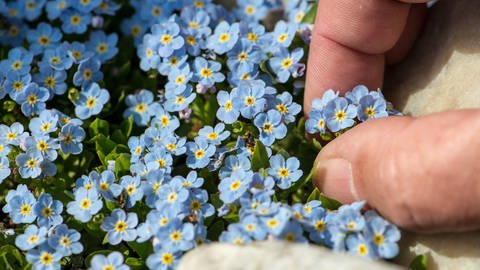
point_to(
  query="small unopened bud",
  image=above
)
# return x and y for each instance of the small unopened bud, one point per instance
(97, 21)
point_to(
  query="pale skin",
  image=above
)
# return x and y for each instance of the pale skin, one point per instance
(423, 173)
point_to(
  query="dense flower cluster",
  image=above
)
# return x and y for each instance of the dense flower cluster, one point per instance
(210, 146)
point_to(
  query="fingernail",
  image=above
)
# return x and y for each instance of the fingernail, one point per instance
(334, 177)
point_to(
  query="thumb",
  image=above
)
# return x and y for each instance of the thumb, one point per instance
(421, 173)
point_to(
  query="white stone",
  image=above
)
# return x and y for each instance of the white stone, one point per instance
(275, 255)
(442, 71)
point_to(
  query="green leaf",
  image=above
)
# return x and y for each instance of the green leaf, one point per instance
(99, 126)
(11, 258)
(126, 126)
(311, 14)
(419, 263)
(104, 144)
(135, 263)
(329, 203)
(215, 230)
(260, 157)
(122, 164)
(315, 195)
(9, 105)
(142, 249)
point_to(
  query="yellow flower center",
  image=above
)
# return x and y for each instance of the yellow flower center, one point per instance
(17, 86)
(340, 115)
(351, 225)
(102, 48)
(200, 153)
(77, 54)
(173, 61)
(32, 239)
(282, 37)
(224, 38)
(50, 82)
(44, 40)
(167, 258)
(362, 249)
(235, 185)
(198, 4)
(290, 237)
(378, 239)
(180, 100)
(87, 74)
(212, 136)
(195, 205)
(104, 186)
(272, 223)
(252, 37)
(250, 227)
(65, 241)
(242, 57)
(164, 120)
(85, 204)
(163, 221)
(267, 127)
(32, 99)
(282, 108)
(17, 65)
(161, 162)
(25, 209)
(250, 10)
(131, 189)
(31, 163)
(176, 236)
(75, 20)
(141, 108)
(46, 258)
(172, 197)
(321, 124)
(286, 63)
(370, 112)
(120, 226)
(180, 79)
(320, 226)
(166, 39)
(91, 102)
(156, 11)
(249, 100)
(171, 146)
(11, 136)
(191, 40)
(283, 172)
(13, 31)
(228, 106)
(135, 30)
(137, 151)
(206, 72)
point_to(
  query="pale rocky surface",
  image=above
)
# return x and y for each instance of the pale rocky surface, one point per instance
(442, 71)
(274, 255)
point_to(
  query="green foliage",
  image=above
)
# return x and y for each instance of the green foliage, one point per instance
(12, 259)
(419, 263)
(260, 157)
(311, 14)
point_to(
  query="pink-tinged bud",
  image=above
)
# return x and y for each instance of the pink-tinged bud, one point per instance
(97, 21)
(201, 89)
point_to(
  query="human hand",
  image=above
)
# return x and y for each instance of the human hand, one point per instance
(418, 172)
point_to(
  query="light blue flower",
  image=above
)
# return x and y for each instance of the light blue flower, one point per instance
(276, 223)
(159, 158)
(51, 79)
(114, 260)
(207, 73)
(358, 245)
(224, 37)
(88, 72)
(178, 79)
(177, 60)
(57, 58)
(105, 184)
(371, 107)
(284, 171)
(4, 167)
(244, 55)
(120, 226)
(20, 206)
(270, 126)
(252, 226)
(74, 21)
(18, 61)
(104, 46)
(173, 194)
(199, 153)
(55, 8)
(234, 186)
(71, 137)
(44, 37)
(87, 203)
(31, 238)
(65, 240)
(382, 234)
(91, 101)
(339, 114)
(177, 102)
(249, 97)
(168, 36)
(284, 63)
(32, 99)
(164, 259)
(44, 258)
(12, 135)
(197, 203)
(16, 84)
(284, 104)
(140, 107)
(315, 123)
(48, 211)
(29, 164)
(178, 236)
(235, 235)
(252, 10)
(293, 232)
(283, 34)
(32, 8)
(155, 179)
(132, 187)
(77, 52)
(227, 112)
(214, 135)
